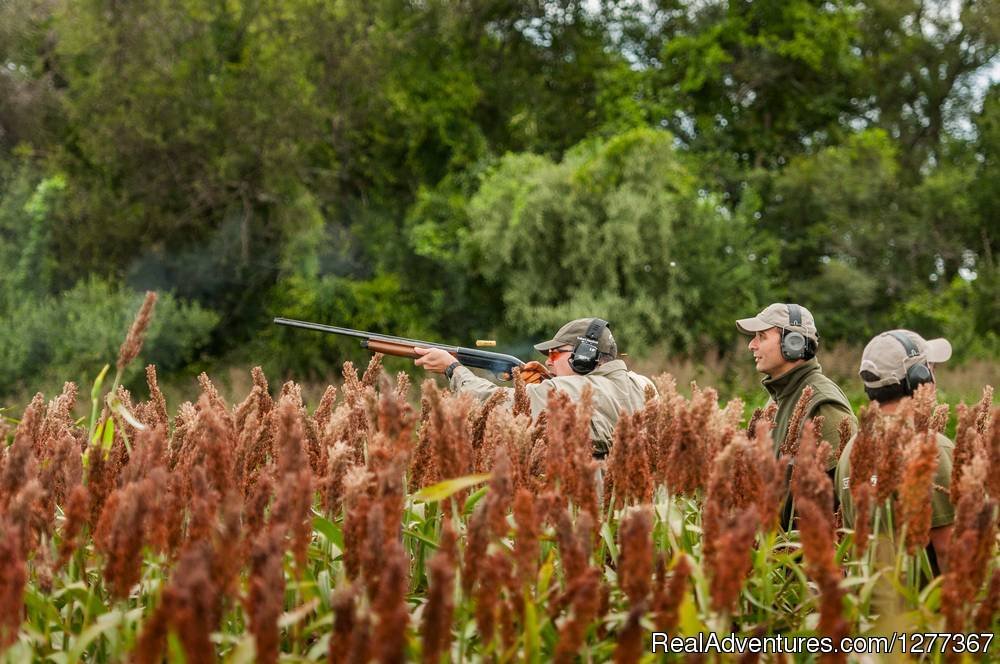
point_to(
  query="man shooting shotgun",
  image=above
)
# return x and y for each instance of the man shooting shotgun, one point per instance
(582, 354)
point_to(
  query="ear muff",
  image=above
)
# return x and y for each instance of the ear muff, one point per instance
(919, 373)
(794, 345)
(585, 355)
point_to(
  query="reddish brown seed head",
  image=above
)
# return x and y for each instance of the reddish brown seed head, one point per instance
(390, 608)
(810, 481)
(136, 334)
(339, 460)
(526, 544)
(792, 438)
(158, 410)
(669, 595)
(439, 610)
(13, 578)
(372, 371)
(729, 563)
(916, 489)
(584, 599)
(484, 446)
(76, 512)
(635, 565)
(968, 443)
(265, 598)
(120, 537)
(628, 466)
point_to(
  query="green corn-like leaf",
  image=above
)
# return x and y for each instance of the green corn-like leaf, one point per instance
(104, 626)
(545, 573)
(532, 646)
(473, 499)
(329, 530)
(447, 488)
(690, 622)
(95, 399)
(108, 435)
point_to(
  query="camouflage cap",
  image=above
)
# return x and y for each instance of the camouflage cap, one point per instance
(570, 333)
(885, 358)
(776, 315)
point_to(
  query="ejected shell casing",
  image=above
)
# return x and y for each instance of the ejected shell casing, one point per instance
(480, 343)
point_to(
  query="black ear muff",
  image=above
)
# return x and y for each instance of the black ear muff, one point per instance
(794, 345)
(919, 373)
(585, 355)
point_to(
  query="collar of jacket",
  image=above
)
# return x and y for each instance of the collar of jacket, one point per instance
(608, 368)
(791, 382)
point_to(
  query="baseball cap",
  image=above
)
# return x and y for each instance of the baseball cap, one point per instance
(776, 315)
(569, 334)
(885, 358)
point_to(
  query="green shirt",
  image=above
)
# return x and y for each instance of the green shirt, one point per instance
(942, 511)
(828, 401)
(615, 389)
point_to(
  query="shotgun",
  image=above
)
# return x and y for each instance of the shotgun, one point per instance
(502, 366)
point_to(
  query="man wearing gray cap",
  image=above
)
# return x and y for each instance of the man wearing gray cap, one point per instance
(582, 353)
(893, 365)
(784, 347)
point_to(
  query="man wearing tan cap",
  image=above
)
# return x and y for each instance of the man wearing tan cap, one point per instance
(893, 365)
(784, 347)
(582, 353)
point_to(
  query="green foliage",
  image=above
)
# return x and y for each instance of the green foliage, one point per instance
(756, 81)
(55, 338)
(842, 201)
(919, 64)
(987, 185)
(949, 312)
(452, 295)
(459, 159)
(377, 305)
(617, 229)
(166, 149)
(33, 273)
(846, 295)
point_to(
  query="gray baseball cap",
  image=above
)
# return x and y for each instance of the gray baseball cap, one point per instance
(886, 357)
(570, 333)
(776, 315)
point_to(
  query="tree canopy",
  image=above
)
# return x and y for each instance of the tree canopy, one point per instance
(467, 169)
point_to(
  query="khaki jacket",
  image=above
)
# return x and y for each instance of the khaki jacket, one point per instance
(615, 389)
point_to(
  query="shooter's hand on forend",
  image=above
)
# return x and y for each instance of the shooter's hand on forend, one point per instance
(534, 372)
(433, 359)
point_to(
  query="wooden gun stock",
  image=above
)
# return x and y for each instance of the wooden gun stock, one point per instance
(390, 348)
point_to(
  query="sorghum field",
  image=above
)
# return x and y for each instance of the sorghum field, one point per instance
(370, 529)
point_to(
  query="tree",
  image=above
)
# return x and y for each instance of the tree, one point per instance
(920, 58)
(753, 83)
(617, 229)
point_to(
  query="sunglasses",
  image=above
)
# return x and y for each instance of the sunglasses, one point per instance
(555, 352)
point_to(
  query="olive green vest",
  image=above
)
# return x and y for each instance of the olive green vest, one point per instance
(786, 390)
(942, 511)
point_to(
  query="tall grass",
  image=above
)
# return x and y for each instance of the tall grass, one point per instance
(369, 528)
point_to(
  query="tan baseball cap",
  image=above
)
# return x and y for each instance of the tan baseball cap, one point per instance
(570, 333)
(776, 315)
(886, 357)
